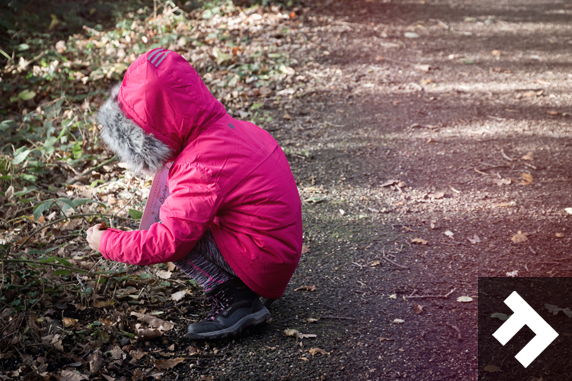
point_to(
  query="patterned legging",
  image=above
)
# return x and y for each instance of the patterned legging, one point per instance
(205, 264)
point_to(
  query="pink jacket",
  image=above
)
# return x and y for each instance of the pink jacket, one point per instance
(227, 174)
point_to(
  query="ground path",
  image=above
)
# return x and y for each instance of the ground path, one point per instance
(452, 115)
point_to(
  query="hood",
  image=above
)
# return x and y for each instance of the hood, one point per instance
(161, 106)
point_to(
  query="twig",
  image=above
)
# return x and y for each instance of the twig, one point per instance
(390, 261)
(337, 317)
(123, 207)
(430, 296)
(482, 173)
(529, 165)
(335, 125)
(71, 268)
(73, 181)
(63, 219)
(505, 156)
(459, 337)
(357, 264)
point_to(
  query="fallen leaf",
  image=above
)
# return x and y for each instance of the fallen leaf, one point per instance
(519, 237)
(375, 263)
(168, 364)
(102, 303)
(464, 299)
(69, 322)
(136, 355)
(552, 112)
(303, 359)
(527, 178)
(498, 315)
(305, 249)
(312, 320)
(314, 351)
(512, 274)
(342, 212)
(389, 183)
(417, 308)
(496, 52)
(401, 184)
(500, 182)
(154, 322)
(306, 288)
(95, 361)
(117, 353)
(423, 68)
(559, 235)
(449, 233)
(70, 375)
(163, 274)
(298, 334)
(419, 240)
(568, 210)
(436, 196)
(399, 321)
(475, 239)
(411, 35)
(552, 308)
(385, 339)
(178, 295)
(103, 226)
(528, 156)
(287, 117)
(492, 368)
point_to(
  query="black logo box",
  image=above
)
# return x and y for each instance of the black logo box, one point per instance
(555, 362)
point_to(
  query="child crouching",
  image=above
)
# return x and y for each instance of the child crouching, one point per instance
(233, 219)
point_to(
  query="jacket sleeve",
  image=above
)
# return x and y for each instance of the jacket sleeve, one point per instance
(185, 215)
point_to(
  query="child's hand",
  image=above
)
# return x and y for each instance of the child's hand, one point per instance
(94, 236)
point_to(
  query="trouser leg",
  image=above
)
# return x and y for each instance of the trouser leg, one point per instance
(205, 264)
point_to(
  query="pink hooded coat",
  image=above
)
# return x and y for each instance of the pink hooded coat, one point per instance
(228, 175)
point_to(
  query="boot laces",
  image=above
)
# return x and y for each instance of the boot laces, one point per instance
(219, 302)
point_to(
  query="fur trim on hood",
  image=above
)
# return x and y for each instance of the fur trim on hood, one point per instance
(143, 153)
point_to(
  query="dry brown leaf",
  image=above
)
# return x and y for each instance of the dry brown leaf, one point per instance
(69, 322)
(95, 361)
(527, 178)
(154, 322)
(171, 266)
(305, 249)
(389, 183)
(137, 354)
(298, 334)
(103, 226)
(519, 237)
(492, 368)
(312, 320)
(528, 156)
(163, 274)
(552, 112)
(436, 196)
(178, 295)
(419, 240)
(117, 353)
(559, 235)
(496, 52)
(313, 351)
(70, 375)
(417, 308)
(102, 303)
(375, 263)
(385, 339)
(287, 117)
(303, 359)
(306, 288)
(168, 364)
(475, 239)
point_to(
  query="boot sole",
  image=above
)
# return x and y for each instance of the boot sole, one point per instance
(253, 319)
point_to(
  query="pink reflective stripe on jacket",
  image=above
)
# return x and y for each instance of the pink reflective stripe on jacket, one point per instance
(227, 174)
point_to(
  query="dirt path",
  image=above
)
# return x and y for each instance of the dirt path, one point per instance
(452, 114)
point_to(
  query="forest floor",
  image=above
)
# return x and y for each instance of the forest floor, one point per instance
(430, 144)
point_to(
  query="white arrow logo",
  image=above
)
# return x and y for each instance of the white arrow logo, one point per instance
(525, 315)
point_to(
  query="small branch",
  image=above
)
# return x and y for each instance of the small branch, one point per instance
(505, 156)
(392, 262)
(64, 219)
(73, 181)
(459, 336)
(337, 317)
(29, 261)
(430, 296)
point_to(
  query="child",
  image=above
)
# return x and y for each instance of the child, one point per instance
(233, 218)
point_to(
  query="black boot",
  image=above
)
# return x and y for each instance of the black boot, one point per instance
(234, 307)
